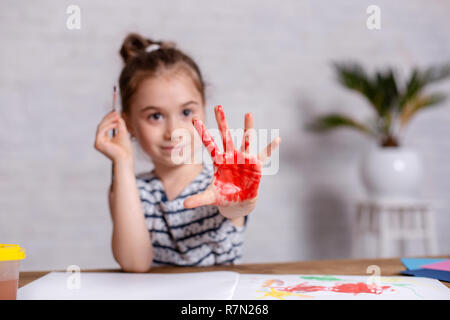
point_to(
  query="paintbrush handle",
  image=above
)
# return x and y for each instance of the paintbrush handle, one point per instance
(113, 132)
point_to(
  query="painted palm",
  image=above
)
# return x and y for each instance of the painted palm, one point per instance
(394, 103)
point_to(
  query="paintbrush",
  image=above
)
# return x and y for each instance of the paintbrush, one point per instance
(113, 131)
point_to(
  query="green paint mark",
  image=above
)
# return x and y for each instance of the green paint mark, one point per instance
(321, 278)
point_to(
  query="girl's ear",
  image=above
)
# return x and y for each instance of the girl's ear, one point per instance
(129, 126)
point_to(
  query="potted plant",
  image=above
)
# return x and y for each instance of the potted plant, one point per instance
(388, 170)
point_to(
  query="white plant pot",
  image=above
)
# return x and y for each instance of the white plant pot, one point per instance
(391, 173)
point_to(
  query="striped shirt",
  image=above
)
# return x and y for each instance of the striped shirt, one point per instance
(188, 237)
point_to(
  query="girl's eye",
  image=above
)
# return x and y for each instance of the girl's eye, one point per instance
(155, 116)
(187, 112)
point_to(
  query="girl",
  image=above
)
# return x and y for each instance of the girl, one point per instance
(188, 214)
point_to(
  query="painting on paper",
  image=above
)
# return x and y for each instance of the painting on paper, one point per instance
(293, 287)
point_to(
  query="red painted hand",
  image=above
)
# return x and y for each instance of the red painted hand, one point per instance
(237, 172)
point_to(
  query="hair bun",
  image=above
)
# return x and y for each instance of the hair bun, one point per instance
(135, 44)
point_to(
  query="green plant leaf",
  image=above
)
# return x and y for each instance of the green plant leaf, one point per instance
(420, 103)
(436, 73)
(354, 77)
(386, 92)
(381, 91)
(419, 80)
(394, 104)
(334, 121)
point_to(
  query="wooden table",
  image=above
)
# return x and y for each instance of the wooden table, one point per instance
(388, 267)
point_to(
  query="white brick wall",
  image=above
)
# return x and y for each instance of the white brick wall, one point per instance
(271, 58)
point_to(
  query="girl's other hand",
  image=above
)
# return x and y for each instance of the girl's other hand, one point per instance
(119, 147)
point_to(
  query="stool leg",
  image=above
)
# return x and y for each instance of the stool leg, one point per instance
(430, 234)
(357, 232)
(402, 230)
(373, 227)
(383, 233)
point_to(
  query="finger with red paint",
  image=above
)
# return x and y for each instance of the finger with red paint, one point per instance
(228, 146)
(207, 197)
(207, 139)
(248, 133)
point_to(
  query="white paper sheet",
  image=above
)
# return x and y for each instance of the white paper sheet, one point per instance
(124, 286)
(337, 287)
(226, 285)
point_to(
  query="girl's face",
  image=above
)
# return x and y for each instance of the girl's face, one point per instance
(161, 105)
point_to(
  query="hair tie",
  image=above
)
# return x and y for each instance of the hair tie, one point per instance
(152, 47)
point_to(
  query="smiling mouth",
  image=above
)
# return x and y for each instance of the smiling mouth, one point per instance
(172, 148)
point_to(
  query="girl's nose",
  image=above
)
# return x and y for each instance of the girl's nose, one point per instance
(171, 125)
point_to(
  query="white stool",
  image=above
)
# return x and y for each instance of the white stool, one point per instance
(389, 220)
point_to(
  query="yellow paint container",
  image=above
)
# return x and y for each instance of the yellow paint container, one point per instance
(10, 256)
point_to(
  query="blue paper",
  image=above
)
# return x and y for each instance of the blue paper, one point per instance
(429, 273)
(414, 263)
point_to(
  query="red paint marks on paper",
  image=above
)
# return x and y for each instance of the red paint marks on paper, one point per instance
(355, 288)
(359, 287)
